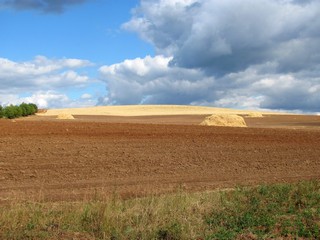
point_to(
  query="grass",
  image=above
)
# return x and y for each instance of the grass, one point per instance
(287, 211)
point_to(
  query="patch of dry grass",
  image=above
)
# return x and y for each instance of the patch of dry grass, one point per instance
(177, 216)
(288, 211)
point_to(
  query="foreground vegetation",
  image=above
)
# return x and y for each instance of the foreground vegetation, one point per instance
(286, 211)
(16, 111)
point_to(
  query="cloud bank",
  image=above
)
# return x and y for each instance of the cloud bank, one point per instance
(245, 54)
(150, 81)
(41, 73)
(42, 79)
(47, 6)
(231, 35)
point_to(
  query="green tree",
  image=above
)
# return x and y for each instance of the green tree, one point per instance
(34, 108)
(22, 110)
(17, 111)
(28, 109)
(1, 111)
(9, 112)
(25, 109)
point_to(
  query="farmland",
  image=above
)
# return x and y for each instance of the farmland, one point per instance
(47, 159)
(159, 176)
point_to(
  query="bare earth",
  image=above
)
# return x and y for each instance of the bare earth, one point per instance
(43, 158)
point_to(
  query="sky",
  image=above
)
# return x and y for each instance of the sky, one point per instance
(243, 54)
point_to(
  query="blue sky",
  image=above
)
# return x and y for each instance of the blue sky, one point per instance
(241, 54)
(91, 30)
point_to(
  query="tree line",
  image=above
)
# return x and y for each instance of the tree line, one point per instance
(16, 111)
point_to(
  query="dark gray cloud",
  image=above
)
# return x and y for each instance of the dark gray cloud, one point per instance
(245, 54)
(48, 6)
(302, 2)
(228, 36)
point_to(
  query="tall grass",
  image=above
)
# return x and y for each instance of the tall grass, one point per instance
(284, 210)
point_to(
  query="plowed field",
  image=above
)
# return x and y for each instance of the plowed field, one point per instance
(51, 160)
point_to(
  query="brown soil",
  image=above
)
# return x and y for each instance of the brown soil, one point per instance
(42, 158)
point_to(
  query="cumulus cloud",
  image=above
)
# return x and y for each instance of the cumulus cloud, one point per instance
(47, 99)
(260, 54)
(44, 99)
(289, 92)
(53, 99)
(48, 6)
(41, 73)
(151, 80)
(231, 35)
(257, 88)
(42, 80)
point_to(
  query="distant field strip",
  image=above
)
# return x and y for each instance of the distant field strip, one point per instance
(147, 110)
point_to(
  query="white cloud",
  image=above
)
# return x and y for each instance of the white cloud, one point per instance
(41, 98)
(41, 73)
(244, 54)
(231, 35)
(43, 80)
(48, 99)
(40, 65)
(252, 88)
(151, 80)
(138, 67)
(86, 96)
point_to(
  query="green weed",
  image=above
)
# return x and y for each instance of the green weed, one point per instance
(289, 211)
